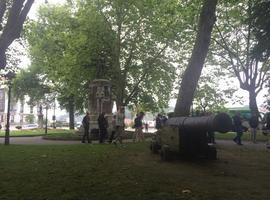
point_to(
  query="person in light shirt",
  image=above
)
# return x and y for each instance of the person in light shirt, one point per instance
(119, 124)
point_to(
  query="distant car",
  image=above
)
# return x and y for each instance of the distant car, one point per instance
(30, 126)
(78, 125)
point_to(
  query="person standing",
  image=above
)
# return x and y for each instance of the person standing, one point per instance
(267, 126)
(253, 123)
(237, 121)
(120, 124)
(113, 129)
(103, 125)
(86, 124)
(146, 126)
(159, 121)
(139, 127)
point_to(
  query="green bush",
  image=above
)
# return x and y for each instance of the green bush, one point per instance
(30, 118)
(18, 127)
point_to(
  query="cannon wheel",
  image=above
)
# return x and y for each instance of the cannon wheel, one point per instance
(165, 153)
(211, 153)
(154, 147)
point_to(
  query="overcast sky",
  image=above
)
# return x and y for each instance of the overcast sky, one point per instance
(37, 3)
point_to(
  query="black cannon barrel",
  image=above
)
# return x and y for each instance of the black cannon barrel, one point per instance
(221, 122)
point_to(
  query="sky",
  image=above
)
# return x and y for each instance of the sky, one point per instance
(37, 3)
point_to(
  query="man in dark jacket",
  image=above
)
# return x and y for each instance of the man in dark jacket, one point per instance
(237, 121)
(253, 123)
(159, 121)
(86, 123)
(139, 127)
(103, 125)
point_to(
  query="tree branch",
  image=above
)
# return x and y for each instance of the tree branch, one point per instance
(130, 96)
(16, 18)
(3, 7)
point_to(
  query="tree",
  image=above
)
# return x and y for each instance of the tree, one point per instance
(123, 41)
(260, 14)
(70, 48)
(139, 50)
(12, 16)
(261, 29)
(196, 62)
(212, 92)
(31, 83)
(237, 42)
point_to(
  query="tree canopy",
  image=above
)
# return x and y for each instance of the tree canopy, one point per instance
(130, 43)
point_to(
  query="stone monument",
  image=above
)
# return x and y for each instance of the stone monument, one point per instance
(100, 100)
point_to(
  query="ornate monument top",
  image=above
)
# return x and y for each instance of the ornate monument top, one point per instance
(100, 96)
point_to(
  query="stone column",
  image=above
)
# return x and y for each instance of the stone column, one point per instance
(100, 100)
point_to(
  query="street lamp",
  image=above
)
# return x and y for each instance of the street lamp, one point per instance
(9, 76)
(46, 120)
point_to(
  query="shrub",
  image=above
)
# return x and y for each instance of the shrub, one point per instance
(18, 127)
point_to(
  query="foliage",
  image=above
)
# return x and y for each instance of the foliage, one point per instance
(30, 82)
(18, 127)
(142, 61)
(131, 43)
(30, 118)
(235, 42)
(261, 28)
(67, 49)
(209, 96)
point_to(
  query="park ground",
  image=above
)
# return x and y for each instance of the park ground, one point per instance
(130, 171)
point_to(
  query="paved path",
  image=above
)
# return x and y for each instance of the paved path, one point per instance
(246, 144)
(39, 141)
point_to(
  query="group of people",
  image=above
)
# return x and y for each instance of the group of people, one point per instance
(253, 126)
(160, 121)
(118, 126)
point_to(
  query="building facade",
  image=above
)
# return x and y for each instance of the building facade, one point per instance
(20, 112)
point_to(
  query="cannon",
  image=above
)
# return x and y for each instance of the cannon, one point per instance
(187, 136)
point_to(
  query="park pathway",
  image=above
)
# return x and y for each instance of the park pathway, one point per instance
(38, 140)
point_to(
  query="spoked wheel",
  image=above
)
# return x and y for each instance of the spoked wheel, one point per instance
(154, 147)
(165, 153)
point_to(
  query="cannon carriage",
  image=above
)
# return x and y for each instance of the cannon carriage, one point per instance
(187, 136)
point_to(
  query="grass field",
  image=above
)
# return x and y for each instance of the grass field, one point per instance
(37, 132)
(130, 172)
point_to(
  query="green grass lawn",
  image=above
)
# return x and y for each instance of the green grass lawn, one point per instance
(130, 172)
(58, 134)
(38, 132)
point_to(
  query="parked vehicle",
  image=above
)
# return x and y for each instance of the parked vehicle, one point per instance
(30, 126)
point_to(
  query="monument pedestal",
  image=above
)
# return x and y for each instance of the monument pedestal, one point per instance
(100, 100)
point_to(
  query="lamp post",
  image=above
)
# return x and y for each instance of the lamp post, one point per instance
(9, 76)
(54, 117)
(46, 120)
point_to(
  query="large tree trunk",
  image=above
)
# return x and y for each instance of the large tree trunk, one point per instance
(40, 116)
(252, 101)
(16, 16)
(21, 111)
(192, 74)
(71, 112)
